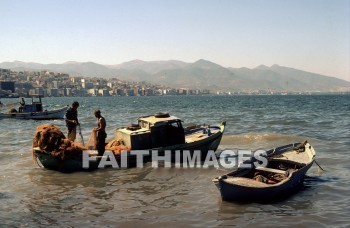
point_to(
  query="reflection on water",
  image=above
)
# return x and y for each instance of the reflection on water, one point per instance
(31, 196)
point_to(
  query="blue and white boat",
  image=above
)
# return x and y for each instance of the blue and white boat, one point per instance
(34, 111)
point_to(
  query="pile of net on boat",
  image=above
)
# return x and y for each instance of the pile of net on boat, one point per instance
(117, 146)
(50, 139)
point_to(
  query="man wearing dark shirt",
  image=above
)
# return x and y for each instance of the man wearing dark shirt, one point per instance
(72, 121)
(100, 132)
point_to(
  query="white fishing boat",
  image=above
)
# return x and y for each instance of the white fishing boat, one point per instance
(34, 111)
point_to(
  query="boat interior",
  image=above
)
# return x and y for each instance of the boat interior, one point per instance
(196, 133)
(276, 171)
(281, 163)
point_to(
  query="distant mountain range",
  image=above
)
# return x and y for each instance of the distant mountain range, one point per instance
(201, 74)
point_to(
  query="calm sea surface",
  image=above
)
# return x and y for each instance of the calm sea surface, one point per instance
(32, 196)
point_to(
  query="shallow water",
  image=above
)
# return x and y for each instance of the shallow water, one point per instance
(32, 196)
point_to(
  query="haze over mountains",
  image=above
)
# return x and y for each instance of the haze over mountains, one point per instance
(201, 74)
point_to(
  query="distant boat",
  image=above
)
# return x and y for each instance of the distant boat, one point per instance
(160, 132)
(283, 175)
(33, 111)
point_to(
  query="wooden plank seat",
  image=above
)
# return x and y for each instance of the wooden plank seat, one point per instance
(271, 170)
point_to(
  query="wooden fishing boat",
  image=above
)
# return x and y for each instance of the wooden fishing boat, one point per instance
(160, 132)
(283, 175)
(34, 111)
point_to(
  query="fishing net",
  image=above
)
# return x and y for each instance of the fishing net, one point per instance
(112, 144)
(118, 149)
(79, 141)
(12, 110)
(117, 146)
(91, 144)
(50, 139)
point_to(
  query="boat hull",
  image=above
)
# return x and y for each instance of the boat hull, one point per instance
(45, 115)
(64, 165)
(232, 192)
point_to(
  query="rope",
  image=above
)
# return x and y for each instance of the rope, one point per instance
(319, 165)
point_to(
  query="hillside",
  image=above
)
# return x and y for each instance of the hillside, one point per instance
(200, 74)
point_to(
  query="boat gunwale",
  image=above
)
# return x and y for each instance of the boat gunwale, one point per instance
(291, 174)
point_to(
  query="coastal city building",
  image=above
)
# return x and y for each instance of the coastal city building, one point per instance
(52, 84)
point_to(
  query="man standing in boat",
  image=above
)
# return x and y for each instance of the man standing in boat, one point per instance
(22, 103)
(100, 132)
(72, 121)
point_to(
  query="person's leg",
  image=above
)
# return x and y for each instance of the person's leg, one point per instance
(71, 134)
(100, 143)
(103, 142)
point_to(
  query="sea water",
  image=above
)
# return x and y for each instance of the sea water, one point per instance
(33, 196)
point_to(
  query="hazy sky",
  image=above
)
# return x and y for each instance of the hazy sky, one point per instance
(312, 35)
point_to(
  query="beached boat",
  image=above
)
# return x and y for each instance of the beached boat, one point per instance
(283, 175)
(160, 132)
(34, 111)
